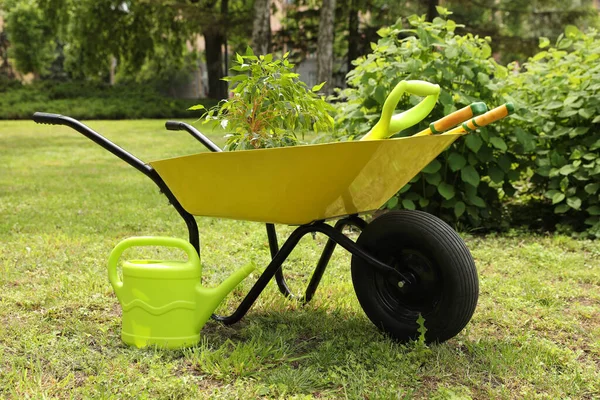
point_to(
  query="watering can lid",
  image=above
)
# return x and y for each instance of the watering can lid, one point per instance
(161, 269)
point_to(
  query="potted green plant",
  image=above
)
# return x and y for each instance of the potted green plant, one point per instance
(269, 105)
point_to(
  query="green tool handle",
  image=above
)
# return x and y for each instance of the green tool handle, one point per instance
(389, 124)
(137, 241)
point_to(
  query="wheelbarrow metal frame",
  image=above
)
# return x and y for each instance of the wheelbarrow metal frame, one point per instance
(278, 255)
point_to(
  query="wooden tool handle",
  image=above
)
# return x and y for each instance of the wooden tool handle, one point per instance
(483, 120)
(489, 117)
(453, 119)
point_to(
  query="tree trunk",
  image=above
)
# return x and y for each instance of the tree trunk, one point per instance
(325, 45)
(431, 11)
(217, 89)
(215, 43)
(261, 28)
(225, 17)
(353, 36)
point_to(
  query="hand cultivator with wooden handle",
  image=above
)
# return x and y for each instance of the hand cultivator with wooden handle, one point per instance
(404, 263)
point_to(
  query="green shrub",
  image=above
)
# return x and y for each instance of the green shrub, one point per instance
(559, 126)
(92, 100)
(464, 183)
(268, 105)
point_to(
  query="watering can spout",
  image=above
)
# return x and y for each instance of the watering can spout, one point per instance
(208, 299)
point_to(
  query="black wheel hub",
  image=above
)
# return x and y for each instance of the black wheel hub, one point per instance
(421, 295)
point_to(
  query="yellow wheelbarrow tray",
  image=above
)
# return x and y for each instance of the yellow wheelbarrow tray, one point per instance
(405, 264)
(298, 185)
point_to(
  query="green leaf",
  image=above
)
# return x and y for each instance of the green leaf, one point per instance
(544, 42)
(592, 188)
(571, 31)
(380, 94)
(473, 142)
(433, 179)
(574, 202)
(504, 162)
(459, 209)
(567, 169)
(470, 175)
(446, 99)
(446, 190)
(432, 167)
(564, 184)
(451, 52)
(558, 197)
(498, 143)
(392, 203)
(550, 193)
(456, 161)
(423, 202)
(239, 58)
(586, 113)
(553, 105)
(408, 204)
(384, 32)
(476, 200)
(593, 210)
(561, 209)
(496, 174)
(484, 79)
(237, 78)
(526, 139)
(318, 87)
(197, 107)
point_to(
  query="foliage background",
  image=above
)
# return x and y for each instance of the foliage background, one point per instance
(557, 133)
(464, 184)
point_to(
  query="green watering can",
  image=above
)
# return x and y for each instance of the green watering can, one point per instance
(164, 304)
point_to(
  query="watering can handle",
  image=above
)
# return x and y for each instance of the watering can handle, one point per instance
(115, 255)
(389, 124)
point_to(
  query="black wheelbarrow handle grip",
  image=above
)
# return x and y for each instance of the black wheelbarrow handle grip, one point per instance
(51, 119)
(182, 126)
(57, 119)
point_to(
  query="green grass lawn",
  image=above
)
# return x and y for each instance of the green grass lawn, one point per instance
(65, 203)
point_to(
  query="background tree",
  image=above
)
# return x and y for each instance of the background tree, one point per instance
(5, 67)
(431, 9)
(325, 45)
(32, 44)
(356, 24)
(515, 26)
(261, 27)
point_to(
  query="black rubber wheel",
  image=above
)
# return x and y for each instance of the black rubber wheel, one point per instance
(445, 288)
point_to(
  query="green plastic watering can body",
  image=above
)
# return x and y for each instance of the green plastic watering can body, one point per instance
(163, 302)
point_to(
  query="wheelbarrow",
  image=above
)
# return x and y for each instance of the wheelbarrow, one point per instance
(405, 264)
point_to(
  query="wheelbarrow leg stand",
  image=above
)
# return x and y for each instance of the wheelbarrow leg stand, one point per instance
(326, 255)
(315, 279)
(335, 235)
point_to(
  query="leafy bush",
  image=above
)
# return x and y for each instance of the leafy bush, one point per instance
(91, 100)
(559, 127)
(464, 183)
(269, 104)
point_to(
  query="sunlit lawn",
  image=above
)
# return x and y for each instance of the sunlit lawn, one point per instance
(65, 203)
